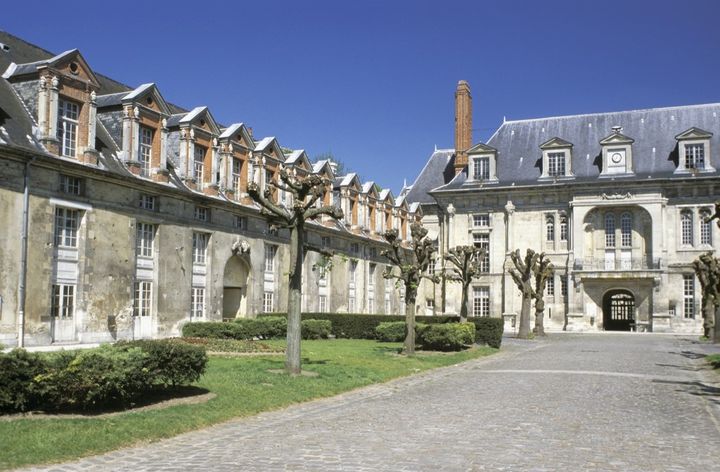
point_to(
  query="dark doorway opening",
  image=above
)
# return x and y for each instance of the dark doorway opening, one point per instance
(618, 311)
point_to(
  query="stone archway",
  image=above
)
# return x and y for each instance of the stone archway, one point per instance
(235, 284)
(618, 310)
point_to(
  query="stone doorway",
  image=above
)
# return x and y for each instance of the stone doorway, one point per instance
(618, 310)
(235, 283)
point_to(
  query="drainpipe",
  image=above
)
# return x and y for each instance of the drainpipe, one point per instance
(23, 254)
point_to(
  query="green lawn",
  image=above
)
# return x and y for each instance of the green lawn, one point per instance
(714, 360)
(243, 387)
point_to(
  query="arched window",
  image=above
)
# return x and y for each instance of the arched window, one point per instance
(550, 228)
(563, 228)
(686, 228)
(705, 227)
(626, 230)
(609, 230)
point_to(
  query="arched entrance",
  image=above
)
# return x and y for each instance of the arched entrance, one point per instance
(235, 278)
(618, 310)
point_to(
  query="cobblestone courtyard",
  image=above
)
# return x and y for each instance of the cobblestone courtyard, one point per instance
(571, 403)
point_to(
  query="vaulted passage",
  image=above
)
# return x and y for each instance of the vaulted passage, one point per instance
(618, 310)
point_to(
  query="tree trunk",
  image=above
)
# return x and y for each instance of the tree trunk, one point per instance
(292, 357)
(710, 323)
(539, 322)
(410, 295)
(464, 304)
(524, 330)
(716, 328)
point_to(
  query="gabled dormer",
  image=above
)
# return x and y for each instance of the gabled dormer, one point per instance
(556, 159)
(349, 190)
(368, 206)
(401, 218)
(387, 202)
(325, 170)
(62, 92)
(617, 158)
(694, 153)
(199, 148)
(482, 163)
(236, 146)
(298, 159)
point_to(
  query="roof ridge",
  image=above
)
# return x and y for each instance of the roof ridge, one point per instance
(698, 105)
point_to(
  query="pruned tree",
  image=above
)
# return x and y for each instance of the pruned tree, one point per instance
(707, 270)
(522, 275)
(542, 270)
(465, 265)
(411, 264)
(307, 191)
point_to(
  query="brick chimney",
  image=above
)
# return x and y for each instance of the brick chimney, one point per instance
(463, 124)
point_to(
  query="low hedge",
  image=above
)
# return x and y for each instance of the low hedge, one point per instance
(315, 329)
(108, 376)
(242, 328)
(391, 331)
(447, 336)
(359, 325)
(488, 330)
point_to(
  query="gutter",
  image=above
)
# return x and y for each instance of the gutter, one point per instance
(23, 254)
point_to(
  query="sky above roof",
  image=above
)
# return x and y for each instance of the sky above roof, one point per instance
(373, 82)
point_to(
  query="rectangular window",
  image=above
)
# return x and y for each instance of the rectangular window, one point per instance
(270, 251)
(63, 301)
(609, 230)
(686, 228)
(431, 267)
(388, 306)
(481, 301)
(67, 127)
(371, 305)
(325, 242)
(550, 228)
(626, 230)
(202, 213)
(705, 228)
(481, 220)
(240, 222)
(236, 171)
(482, 240)
(200, 244)
(550, 287)
(70, 185)
(143, 297)
(481, 168)
(355, 248)
(371, 275)
(147, 202)
(323, 306)
(556, 164)
(198, 163)
(689, 296)
(353, 271)
(144, 240)
(145, 151)
(351, 304)
(268, 306)
(373, 252)
(563, 228)
(66, 227)
(694, 156)
(563, 286)
(197, 302)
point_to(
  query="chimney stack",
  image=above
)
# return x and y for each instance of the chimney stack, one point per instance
(463, 124)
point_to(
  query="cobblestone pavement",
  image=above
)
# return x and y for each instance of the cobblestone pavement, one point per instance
(569, 403)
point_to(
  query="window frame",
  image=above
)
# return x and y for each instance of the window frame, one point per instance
(62, 301)
(481, 301)
(689, 296)
(67, 125)
(145, 149)
(142, 300)
(66, 235)
(200, 243)
(197, 303)
(145, 239)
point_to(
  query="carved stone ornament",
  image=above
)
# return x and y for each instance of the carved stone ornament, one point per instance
(509, 207)
(43, 83)
(55, 82)
(451, 209)
(136, 112)
(192, 133)
(183, 133)
(616, 196)
(240, 246)
(93, 96)
(215, 142)
(231, 148)
(164, 122)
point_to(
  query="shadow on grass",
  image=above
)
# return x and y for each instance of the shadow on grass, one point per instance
(308, 361)
(696, 388)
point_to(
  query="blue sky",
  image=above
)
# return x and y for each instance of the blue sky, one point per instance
(372, 82)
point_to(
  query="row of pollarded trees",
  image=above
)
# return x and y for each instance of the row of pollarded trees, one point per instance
(707, 270)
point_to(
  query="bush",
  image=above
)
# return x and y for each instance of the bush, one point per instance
(218, 330)
(170, 362)
(315, 329)
(269, 327)
(18, 368)
(362, 326)
(391, 331)
(447, 337)
(488, 330)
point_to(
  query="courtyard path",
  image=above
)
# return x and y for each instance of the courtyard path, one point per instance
(634, 402)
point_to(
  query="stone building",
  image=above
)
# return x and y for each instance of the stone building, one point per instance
(124, 216)
(617, 201)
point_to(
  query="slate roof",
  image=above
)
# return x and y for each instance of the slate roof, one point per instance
(15, 124)
(519, 157)
(437, 172)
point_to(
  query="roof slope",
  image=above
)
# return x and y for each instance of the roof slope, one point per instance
(437, 172)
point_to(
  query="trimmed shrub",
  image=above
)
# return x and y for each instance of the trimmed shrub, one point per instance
(447, 337)
(488, 330)
(315, 329)
(18, 368)
(391, 331)
(362, 326)
(210, 329)
(171, 362)
(270, 327)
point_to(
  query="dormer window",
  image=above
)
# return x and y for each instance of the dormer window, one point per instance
(145, 151)
(694, 151)
(617, 153)
(556, 160)
(198, 163)
(67, 126)
(482, 163)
